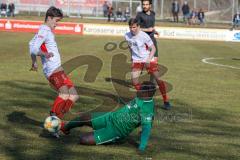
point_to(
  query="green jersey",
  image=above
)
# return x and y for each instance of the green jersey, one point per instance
(137, 113)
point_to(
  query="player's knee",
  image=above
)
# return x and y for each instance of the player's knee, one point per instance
(74, 97)
(84, 140)
(64, 96)
(81, 140)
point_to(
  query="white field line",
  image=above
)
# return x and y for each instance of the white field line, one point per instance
(206, 60)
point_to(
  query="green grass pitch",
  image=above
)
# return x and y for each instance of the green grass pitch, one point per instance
(203, 124)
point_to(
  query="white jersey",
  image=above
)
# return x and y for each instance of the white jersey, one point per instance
(139, 45)
(44, 41)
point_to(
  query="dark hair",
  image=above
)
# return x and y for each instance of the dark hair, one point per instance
(53, 12)
(149, 88)
(133, 21)
(150, 1)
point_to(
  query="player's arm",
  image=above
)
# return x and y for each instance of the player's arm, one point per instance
(150, 29)
(152, 53)
(152, 48)
(146, 131)
(36, 46)
(34, 63)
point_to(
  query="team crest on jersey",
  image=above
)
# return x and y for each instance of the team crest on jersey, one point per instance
(40, 36)
(132, 43)
(130, 106)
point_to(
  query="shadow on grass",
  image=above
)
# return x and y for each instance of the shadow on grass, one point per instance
(23, 129)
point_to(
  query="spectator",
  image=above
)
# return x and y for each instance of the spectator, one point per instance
(236, 20)
(11, 8)
(119, 15)
(201, 16)
(186, 12)
(3, 9)
(105, 9)
(175, 10)
(109, 11)
(94, 11)
(127, 14)
(193, 17)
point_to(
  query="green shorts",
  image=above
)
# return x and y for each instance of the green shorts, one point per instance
(104, 131)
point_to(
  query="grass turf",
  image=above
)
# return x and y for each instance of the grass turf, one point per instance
(204, 123)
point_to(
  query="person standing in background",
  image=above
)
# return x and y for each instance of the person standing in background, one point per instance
(105, 9)
(11, 8)
(186, 12)
(201, 17)
(109, 11)
(175, 10)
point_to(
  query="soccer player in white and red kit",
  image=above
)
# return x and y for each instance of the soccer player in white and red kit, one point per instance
(142, 50)
(44, 45)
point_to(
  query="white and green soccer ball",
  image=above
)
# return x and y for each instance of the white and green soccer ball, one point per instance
(52, 124)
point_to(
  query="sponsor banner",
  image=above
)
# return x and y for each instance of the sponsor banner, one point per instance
(120, 30)
(32, 26)
(234, 36)
(65, 3)
(193, 33)
(167, 32)
(107, 30)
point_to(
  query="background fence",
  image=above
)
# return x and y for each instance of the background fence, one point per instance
(216, 10)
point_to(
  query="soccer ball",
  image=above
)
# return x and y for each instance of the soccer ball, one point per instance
(52, 124)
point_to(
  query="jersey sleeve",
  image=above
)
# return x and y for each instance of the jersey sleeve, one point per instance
(146, 131)
(40, 37)
(147, 115)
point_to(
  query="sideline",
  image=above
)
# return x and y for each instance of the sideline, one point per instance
(206, 60)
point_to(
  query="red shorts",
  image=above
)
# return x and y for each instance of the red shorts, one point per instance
(60, 79)
(151, 68)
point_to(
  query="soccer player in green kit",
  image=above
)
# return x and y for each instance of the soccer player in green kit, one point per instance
(117, 125)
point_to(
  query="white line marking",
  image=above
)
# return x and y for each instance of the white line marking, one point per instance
(205, 60)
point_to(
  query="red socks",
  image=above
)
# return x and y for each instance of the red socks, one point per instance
(137, 86)
(162, 89)
(58, 105)
(61, 106)
(68, 105)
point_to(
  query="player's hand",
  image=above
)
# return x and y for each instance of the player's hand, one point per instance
(156, 34)
(148, 62)
(34, 67)
(140, 152)
(151, 29)
(48, 55)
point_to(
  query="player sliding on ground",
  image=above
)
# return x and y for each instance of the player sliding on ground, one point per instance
(142, 49)
(117, 125)
(44, 45)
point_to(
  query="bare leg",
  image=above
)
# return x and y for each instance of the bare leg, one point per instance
(135, 74)
(73, 97)
(87, 139)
